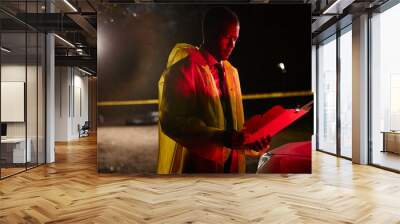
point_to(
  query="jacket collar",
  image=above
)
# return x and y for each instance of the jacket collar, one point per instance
(209, 58)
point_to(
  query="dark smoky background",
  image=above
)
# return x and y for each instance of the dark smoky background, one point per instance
(135, 41)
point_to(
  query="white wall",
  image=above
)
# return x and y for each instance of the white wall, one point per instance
(62, 81)
(80, 110)
(71, 102)
(11, 73)
(16, 73)
(33, 126)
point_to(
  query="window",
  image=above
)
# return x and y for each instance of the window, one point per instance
(385, 88)
(327, 95)
(346, 92)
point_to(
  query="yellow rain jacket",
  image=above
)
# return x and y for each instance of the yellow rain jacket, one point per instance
(191, 114)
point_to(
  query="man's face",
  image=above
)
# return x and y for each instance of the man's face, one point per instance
(225, 42)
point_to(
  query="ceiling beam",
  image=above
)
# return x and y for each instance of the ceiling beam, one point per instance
(84, 24)
(85, 61)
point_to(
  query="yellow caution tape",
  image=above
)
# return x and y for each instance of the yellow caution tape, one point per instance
(245, 97)
(126, 103)
(276, 95)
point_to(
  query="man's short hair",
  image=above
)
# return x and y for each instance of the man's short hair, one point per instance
(215, 20)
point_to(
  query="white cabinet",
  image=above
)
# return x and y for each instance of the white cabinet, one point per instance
(17, 146)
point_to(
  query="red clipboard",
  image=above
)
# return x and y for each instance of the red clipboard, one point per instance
(272, 122)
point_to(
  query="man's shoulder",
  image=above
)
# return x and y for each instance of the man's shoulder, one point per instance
(192, 60)
(195, 58)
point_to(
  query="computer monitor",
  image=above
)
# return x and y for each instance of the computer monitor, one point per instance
(3, 129)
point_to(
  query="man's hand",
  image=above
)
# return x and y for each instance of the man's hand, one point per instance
(238, 139)
(234, 139)
(262, 145)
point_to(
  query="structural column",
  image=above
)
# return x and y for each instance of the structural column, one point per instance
(360, 90)
(50, 92)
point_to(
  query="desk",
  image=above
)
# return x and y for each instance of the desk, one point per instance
(391, 141)
(15, 148)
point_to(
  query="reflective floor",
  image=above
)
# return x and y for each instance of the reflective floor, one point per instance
(387, 159)
(72, 191)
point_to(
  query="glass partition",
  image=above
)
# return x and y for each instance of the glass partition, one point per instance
(14, 151)
(31, 85)
(22, 90)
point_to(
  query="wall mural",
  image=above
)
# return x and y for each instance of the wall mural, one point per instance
(185, 89)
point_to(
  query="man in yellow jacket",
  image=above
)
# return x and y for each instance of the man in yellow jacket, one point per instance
(201, 111)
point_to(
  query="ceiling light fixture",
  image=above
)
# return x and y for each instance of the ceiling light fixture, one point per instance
(5, 50)
(337, 7)
(64, 40)
(84, 71)
(70, 5)
(329, 9)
